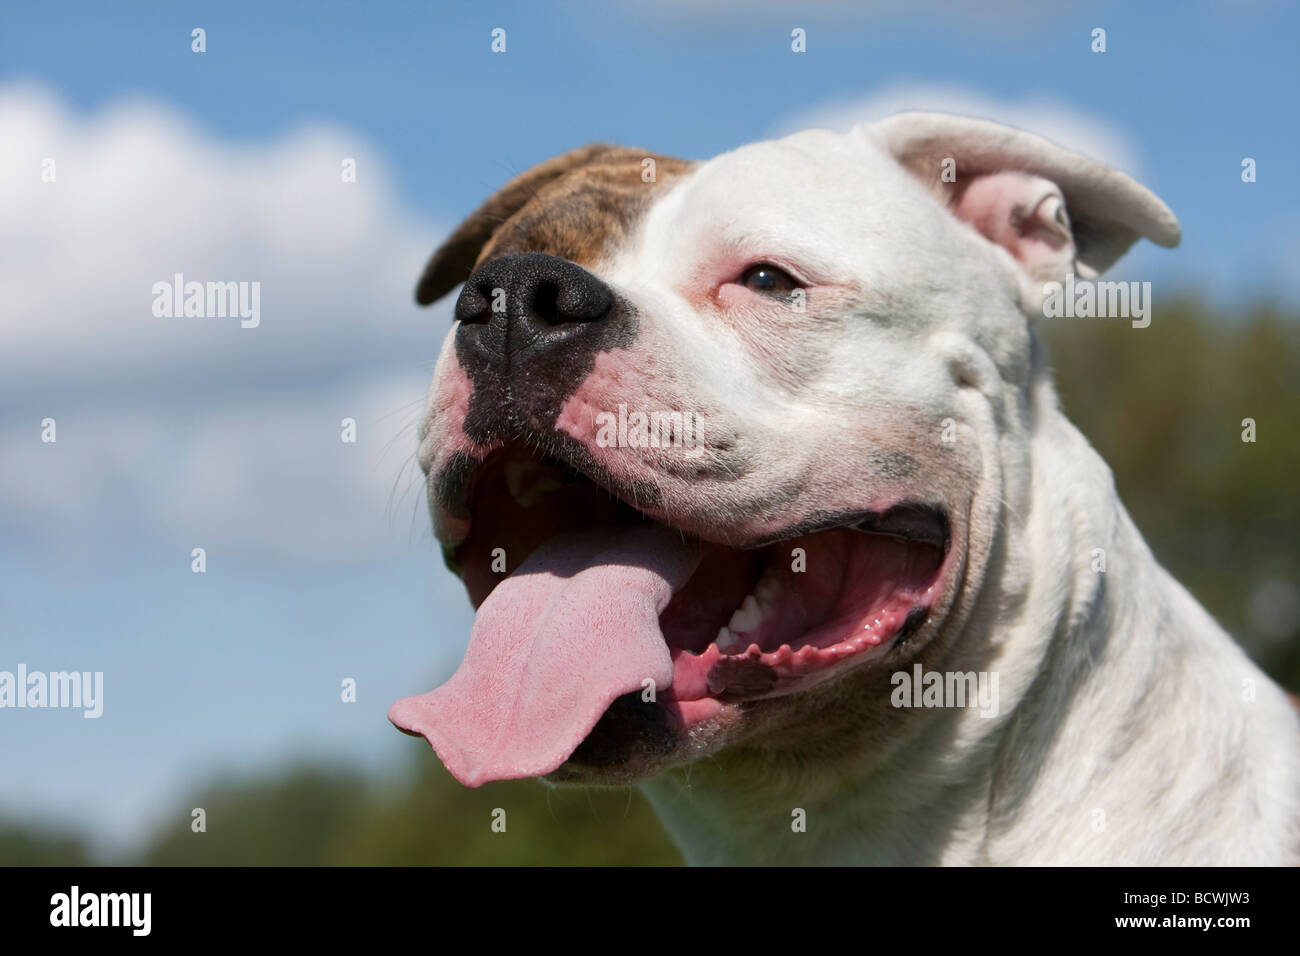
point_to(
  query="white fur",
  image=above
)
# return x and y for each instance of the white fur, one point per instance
(1133, 730)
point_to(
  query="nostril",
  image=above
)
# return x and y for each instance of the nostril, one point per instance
(562, 302)
(472, 307)
(546, 298)
(584, 301)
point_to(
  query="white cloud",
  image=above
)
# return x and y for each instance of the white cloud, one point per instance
(266, 476)
(140, 195)
(1060, 122)
(198, 431)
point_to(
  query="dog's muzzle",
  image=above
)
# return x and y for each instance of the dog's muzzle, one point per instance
(530, 328)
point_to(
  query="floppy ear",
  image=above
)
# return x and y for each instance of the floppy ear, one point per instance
(1054, 211)
(454, 260)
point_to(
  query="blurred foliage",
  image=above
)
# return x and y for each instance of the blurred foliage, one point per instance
(1163, 405)
(290, 818)
(436, 820)
(323, 816)
(26, 845)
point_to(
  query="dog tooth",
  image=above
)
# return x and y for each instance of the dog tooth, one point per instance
(767, 597)
(767, 588)
(725, 639)
(748, 616)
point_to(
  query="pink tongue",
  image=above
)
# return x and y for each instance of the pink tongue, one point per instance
(575, 627)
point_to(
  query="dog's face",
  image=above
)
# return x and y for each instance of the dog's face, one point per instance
(717, 447)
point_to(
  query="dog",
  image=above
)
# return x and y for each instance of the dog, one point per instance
(752, 466)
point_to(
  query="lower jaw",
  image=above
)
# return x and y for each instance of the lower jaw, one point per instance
(708, 696)
(857, 598)
(711, 690)
(705, 685)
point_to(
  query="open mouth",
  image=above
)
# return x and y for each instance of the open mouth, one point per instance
(584, 599)
(772, 616)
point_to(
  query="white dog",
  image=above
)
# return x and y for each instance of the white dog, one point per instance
(755, 470)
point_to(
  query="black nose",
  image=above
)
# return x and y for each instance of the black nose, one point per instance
(529, 308)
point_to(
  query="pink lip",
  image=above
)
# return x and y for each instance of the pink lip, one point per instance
(714, 674)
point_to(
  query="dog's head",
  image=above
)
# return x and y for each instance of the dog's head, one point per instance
(717, 447)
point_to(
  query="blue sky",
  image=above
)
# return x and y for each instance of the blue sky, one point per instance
(1197, 86)
(320, 562)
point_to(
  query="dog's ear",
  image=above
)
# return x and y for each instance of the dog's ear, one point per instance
(454, 260)
(1054, 211)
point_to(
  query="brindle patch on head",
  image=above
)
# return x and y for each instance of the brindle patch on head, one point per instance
(573, 205)
(587, 211)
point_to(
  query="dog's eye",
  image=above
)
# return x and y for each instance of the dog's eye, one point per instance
(768, 280)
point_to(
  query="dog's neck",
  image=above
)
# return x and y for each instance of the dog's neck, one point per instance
(1086, 622)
